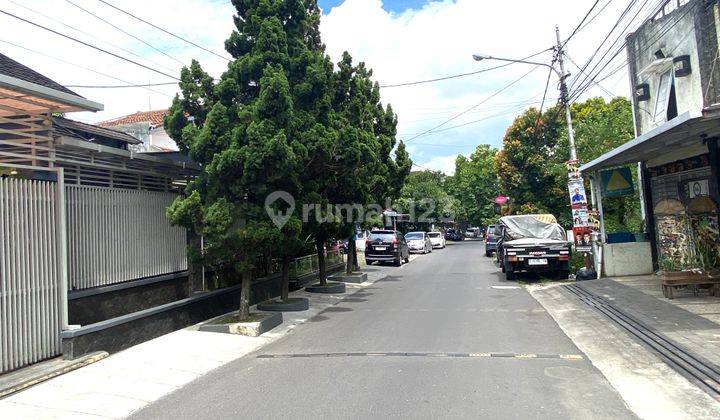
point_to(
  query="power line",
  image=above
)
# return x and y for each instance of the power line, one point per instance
(79, 66)
(88, 34)
(121, 86)
(88, 45)
(163, 30)
(454, 76)
(126, 33)
(622, 47)
(472, 107)
(580, 24)
(596, 83)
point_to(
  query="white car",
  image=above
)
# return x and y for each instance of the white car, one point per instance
(437, 239)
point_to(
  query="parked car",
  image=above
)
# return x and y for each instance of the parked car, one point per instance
(437, 239)
(492, 234)
(472, 232)
(533, 243)
(386, 245)
(418, 242)
(453, 234)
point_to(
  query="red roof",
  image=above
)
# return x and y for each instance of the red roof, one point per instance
(155, 118)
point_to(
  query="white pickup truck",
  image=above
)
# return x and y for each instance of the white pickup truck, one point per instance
(533, 243)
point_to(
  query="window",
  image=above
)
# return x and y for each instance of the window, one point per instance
(662, 99)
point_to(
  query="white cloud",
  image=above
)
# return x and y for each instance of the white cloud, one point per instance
(417, 44)
(444, 164)
(439, 40)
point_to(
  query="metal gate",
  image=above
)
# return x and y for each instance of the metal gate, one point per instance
(116, 235)
(30, 283)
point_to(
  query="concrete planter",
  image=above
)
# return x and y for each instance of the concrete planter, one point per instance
(291, 305)
(330, 288)
(263, 322)
(350, 278)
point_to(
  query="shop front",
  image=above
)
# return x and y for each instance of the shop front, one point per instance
(677, 166)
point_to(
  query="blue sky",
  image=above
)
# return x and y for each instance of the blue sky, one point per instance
(395, 6)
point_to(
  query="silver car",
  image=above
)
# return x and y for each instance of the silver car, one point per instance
(418, 242)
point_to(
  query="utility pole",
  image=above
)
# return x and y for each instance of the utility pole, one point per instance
(564, 95)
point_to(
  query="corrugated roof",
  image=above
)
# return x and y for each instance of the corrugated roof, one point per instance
(72, 128)
(12, 68)
(154, 118)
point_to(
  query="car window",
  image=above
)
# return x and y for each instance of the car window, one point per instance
(414, 235)
(385, 236)
(498, 230)
(434, 234)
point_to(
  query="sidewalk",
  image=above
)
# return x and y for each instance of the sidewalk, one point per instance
(650, 387)
(127, 381)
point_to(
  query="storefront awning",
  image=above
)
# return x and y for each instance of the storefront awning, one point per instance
(682, 131)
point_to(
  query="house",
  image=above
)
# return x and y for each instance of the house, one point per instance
(146, 126)
(83, 232)
(675, 78)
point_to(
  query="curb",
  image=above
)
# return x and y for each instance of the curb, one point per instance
(42, 376)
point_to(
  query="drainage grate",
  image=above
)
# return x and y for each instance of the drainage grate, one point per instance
(699, 371)
(429, 354)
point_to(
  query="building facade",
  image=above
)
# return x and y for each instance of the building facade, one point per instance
(674, 74)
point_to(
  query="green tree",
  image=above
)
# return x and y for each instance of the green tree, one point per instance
(426, 197)
(252, 131)
(531, 167)
(475, 184)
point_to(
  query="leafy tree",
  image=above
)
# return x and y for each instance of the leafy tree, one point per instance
(425, 196)
(525, 164)
(531, 167)
(253, 132)
(475, 184)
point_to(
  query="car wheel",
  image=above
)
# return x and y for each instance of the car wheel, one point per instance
(368, 262)
(509, 273)
(398, 261)
(407, 259)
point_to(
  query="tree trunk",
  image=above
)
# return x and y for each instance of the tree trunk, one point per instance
(285, 291)
(350, 266)
(356, 264)
(245, 281)
(320, 247)
(195, 269)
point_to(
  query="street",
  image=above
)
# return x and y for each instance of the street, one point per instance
(444, 336)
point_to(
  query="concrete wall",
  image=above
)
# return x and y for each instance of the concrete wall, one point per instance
(627, 259)
(688, 30)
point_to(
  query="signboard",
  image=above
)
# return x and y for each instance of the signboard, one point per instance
(582, 221)
(501, 199)
(698, 188)
(617, 182)
(577, 192)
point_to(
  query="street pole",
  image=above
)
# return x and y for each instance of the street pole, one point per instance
(564, 96)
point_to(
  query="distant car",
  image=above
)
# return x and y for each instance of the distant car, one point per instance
(453, 234)
(418, 242)
(472, 232)
(386, 246)
(492, 235)
(436, 239)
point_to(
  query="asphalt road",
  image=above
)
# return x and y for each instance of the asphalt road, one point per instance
(451, 301)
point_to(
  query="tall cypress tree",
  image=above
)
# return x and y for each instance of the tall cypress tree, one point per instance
(251, 132)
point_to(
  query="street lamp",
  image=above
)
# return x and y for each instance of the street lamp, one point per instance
(563, 86)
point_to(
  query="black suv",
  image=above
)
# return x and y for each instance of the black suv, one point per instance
(386, 245)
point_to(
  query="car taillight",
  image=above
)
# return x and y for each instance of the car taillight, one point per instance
(394, 242)
(367, 243)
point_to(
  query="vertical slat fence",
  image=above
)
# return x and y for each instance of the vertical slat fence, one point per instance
(30, 295)
(116, 235)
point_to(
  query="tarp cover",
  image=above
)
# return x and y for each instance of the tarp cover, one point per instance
(528, 226)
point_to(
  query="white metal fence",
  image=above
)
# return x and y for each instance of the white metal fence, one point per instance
(115, 235)
(30, 286)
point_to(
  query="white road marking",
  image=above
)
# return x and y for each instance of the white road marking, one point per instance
(505, 287)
